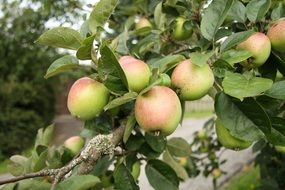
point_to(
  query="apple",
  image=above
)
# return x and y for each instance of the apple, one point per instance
(182, 29)
(276, 35)
(158, 109)
(87, 98)
(143, 23)
(202, 134)
(216, 173)
(192, 81)
(74, 144)
(227, 140)
(259, 46)
(136, 71)
(183, 161)
(136, 169)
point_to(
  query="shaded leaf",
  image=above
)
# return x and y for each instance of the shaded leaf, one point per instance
(124, 179)
(235, 56)
(256, 9)
(62, 64)
(177, 146)
(80, 182)
(277, 91)
(84, 51)
(156, 142)
(200, 59)
(129, 127)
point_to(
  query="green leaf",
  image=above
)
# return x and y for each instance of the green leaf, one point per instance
(41, 162)
(120, 43)
(135, 142)
(48, 135)
(61, 37)
(111, 65)
(214, 17)
(161, 176)
(62, 64)
(166, 63)
(121, 100)
(102, 165)
(101, 13)
(200, 59)
(180, 171)
(256, 9)
(129, 127)
(80, 182)
(235, 56)
(124, 179)
(277, 134)
(159, 17)
(221, 67)
(84, 51)
(235, 120)
(278, 12)
(238, 11)
(156, 142)
(177, 146)
(235, 39)
(277, 91)
(146, 44)
(239, 86)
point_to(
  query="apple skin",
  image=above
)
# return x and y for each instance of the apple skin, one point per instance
(136, 71)
(143, 23)
(276, 35)
(74, 144)
(227, 140)
(259, 45)
(87, 98)
(192, 80)
(179, 32)
(159, 109)
(216, 173)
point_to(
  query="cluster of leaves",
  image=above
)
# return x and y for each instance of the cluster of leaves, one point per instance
(250, 103)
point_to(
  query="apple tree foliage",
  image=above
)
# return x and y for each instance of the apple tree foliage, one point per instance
(249, 102)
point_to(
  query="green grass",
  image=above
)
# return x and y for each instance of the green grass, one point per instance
(201, 114)
(248, 179)
(3, 166)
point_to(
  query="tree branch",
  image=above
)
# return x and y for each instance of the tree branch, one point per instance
(96, 147)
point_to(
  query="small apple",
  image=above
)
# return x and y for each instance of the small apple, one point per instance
(136, 71)
(143, 23)
(216, 173)
(74, 144)
(276, 35)
(182, 29)
(191, 80)
(87, 98)
(183, 161)
(202, 134)
(259, 46)
(227, 140)
(159, 109)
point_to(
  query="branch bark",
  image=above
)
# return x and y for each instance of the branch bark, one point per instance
(96, 147)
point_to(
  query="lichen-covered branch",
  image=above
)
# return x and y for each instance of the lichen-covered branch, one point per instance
(95, 148)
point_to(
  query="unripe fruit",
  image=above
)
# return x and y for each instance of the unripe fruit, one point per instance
(136, 71)
(192, 80)
(276, 34)
(87, 98)
(182, 29)
(142, 23)
(216, 173)
(183, 161)
(159, 109)
(280, 149)
(227, 140)
(136, 170)
(259, 46)
(74, 144)
(202, 134)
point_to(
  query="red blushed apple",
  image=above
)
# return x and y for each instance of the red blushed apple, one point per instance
(87, 98)
(276, 34)
(259, 45)
(192, 81)
(136, 71)
(159, 109)
(74, 144)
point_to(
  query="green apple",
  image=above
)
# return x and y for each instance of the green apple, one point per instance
(216, 173)
(182, 29)
(259, 46)
(183, 161)
(159, 109)
(74, 144)
(192, 81)
(143, 23)
(87, 98)
(276, 35)
(227, 140)
(136, 71)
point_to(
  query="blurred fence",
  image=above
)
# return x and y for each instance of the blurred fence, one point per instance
(204, 104)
